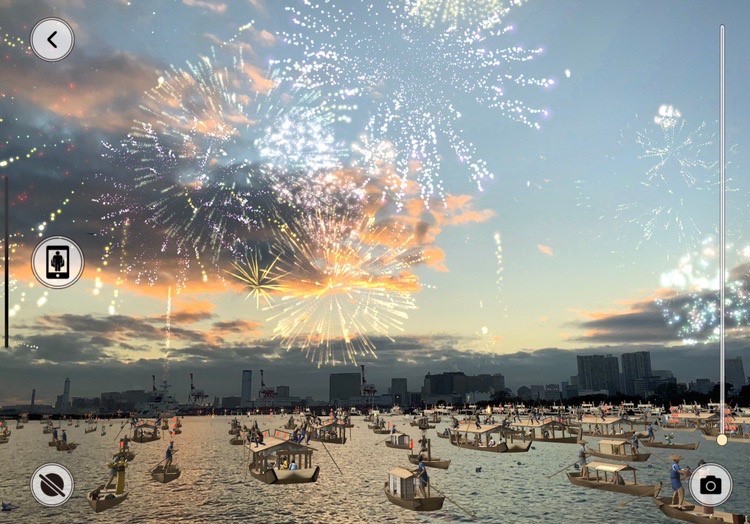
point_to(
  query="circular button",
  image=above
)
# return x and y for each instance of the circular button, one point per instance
(711, 485)
(52, 39)
(57, 262)
(52, 485)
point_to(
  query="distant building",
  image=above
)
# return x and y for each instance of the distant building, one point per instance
(734, 373)
(524, 393)
(82, 405)
(62, 403)
(400, 392)
(552, 392)
(537, 392)
(342, 387)
(282, 391)
(645, 387)
(247, 388)
(599, 372)
(415, 398)
(635, 366)
(568, 391)
(702, 385)
(230, 402)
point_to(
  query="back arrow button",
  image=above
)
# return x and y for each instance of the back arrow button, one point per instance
(49, 39)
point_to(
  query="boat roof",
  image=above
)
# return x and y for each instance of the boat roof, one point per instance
(471, 427)
(401, 473)
(700, 416)
(271, 444)
(609, 467)
(545, 423)
(614, 442)
(598, 420)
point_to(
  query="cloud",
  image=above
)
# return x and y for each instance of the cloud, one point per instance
(216, 7)
(545, 250)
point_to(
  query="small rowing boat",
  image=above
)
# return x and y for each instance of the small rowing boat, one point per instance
(444, 434)
(400, 441)
(667, 445)
(696, 513)
(69, 446)
(612, 479)
(104, 498)
(237, 440)
(90, 429)
(279, 461)
(425, 453)
(159, 475)
(401, 491)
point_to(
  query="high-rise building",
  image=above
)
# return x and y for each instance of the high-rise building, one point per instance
(635, 366)
(645, 387)
(537, 392)
(599, 372)
(524, 393)
(552, 392)
(734, 373)
(282, 391)
(399, 392)
(230, 402)
(247, 388)
(65, 397)
(343, 386)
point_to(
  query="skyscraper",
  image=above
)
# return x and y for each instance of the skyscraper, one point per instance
(399, 392)
(65, 401)
(635, 366)
(734, 373)
(247, 382)
(343, 386)
(598, 372)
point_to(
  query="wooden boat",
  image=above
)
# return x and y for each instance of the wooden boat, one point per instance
(144, 433)
(606, 484)
(399, 441)
(482, 442)
(176, 431)
(234, 431)
(381, 431)
(422, 423)
(104, 498)
(90, 430)
(268, 461)
(430, 462)
(444, 434)
(49, 429)
(19, 425)
(617, 450)
(400, 490)
(696, 513)
(159, 475)
(53, 443)
(104, 431)
(548, 430)
(70, 446)
(4, 440)
(236, 441)
(667, 445)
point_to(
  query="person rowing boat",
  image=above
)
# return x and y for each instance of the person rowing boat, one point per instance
(676, 474)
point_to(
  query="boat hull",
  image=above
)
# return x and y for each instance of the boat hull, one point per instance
(442, 435)
(689, 515)
(287, 476)
(637, 490)
(431, 463)
(415, 504)
(103, 504)
(664, 445)
(381, 431)
(66, 447)
(397, 446)
(159, 475)
(522, 447)
(640, 457)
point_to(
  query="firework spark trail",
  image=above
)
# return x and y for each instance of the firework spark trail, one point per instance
(457, 12)
(168, 334)
(345, 285)
(499, 267)
(693, 310)
(410, 77)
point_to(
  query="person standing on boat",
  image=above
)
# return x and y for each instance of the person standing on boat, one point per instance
(651, 432)
(423, 479)
(168, 455)
(476, 420)
(634, 444)
(54, 435)
(676, 475)
(64, 437)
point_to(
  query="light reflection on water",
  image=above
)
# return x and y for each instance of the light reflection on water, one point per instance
(214, 486)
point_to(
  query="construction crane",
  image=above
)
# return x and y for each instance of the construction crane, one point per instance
(366, 390)
(197, 396)
(265, 391)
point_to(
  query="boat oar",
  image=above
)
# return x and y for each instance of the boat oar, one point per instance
(470, 513)
(386, 440)
(626, 502)
(118, 433)
(329, 454)
(560, 471)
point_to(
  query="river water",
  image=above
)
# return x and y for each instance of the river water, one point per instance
(214, 486)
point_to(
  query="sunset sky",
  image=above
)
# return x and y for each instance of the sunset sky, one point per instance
(571, 202)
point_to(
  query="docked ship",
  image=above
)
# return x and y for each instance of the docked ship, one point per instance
(160, 403)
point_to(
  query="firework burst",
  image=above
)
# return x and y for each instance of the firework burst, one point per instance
(693, 309)
(457, 12)
(261, 282)
(409, 77)
(346, 279)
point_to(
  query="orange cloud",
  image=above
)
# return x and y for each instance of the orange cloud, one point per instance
(545, 250)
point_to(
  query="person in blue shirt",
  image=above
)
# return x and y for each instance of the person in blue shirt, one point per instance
(423, 479)
(64, 437)
(54, 434)
(168, 455)
(676, 474)
(293, 465)
(651, 432)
